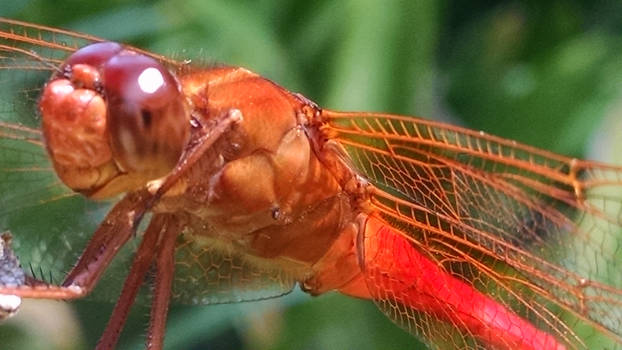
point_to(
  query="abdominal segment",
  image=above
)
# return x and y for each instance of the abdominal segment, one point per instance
(413, 290)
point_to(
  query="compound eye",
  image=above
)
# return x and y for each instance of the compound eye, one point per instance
(94, 55)
(148, 121)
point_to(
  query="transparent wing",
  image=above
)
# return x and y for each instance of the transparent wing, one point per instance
(538, 232)
(28, 57)
(208, 273)
(50, 224)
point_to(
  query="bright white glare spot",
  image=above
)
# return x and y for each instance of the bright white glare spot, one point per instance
(150, 80)
(9, 305)
(10, 302)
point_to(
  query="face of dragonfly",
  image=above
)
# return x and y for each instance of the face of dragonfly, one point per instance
(518, 83)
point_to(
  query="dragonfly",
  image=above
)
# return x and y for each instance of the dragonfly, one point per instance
(228, 187)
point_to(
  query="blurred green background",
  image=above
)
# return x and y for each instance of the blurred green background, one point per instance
(547, 73)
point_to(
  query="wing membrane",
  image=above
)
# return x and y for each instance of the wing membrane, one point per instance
(539, 231)
(209, 273)
(34, 205)
(29, 55)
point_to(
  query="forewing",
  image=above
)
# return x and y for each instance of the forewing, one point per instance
(50, 224)
(28, 57)
(538, 232)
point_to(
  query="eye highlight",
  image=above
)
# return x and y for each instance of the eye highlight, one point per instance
(150, 80)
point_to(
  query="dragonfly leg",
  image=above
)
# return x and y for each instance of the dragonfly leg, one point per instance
(142, 261)
(116, 229)
(165, 268)
(120, 224)
(200, 143)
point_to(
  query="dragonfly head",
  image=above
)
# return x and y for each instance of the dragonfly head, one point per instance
(113, 120)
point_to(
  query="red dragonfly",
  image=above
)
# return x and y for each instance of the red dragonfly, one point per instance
(240, 189)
